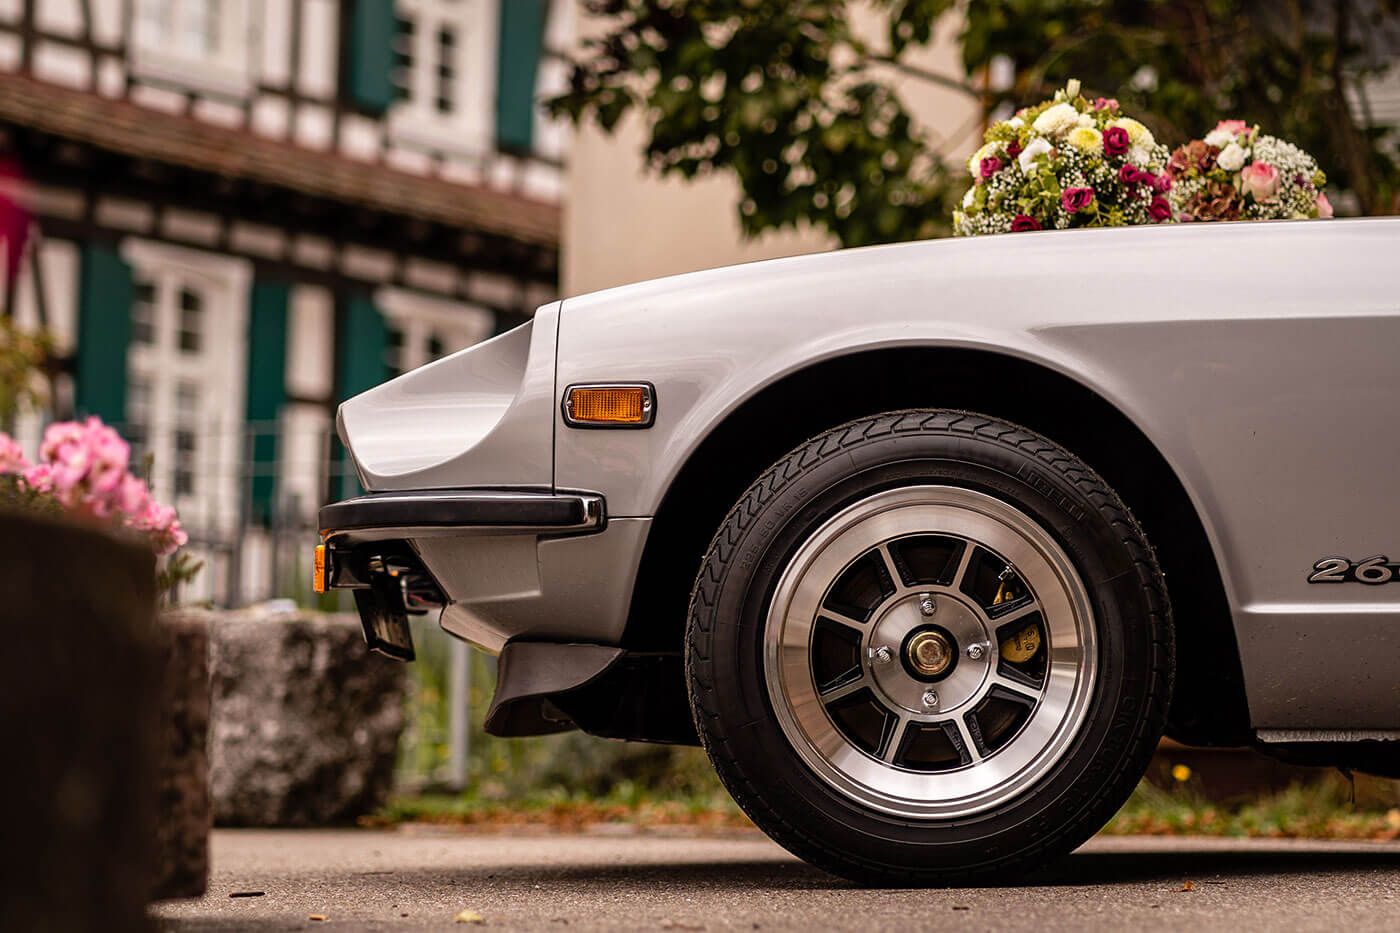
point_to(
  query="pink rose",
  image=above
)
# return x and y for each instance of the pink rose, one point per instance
(1159, 210)
(1233, 127)
(1324, 207)
(1105, 103)
(1116, 141)
(990, 166)
(1128, 173)
(1261, 180)
(1075, 200)
(1023, 222)
(1162, 183)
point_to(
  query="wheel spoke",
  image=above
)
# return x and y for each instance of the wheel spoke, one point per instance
(895, 579)
(1022, 688)
(964, 561)
(1017, 614)
(966, 734)
(841, 691)
(891, 748)
(849, 621)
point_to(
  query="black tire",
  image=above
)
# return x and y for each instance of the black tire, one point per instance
(734, 714)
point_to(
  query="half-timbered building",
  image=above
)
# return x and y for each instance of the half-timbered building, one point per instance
(236, 213)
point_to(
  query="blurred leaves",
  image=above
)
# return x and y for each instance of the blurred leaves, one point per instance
(787, 97)
(24, 356)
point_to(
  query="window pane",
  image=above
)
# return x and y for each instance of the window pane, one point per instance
(402, 45)
(143, 312)
(446, 68)
(435, 346)
(186, 439)
(393, 352)
(191, 320)
(137, 429)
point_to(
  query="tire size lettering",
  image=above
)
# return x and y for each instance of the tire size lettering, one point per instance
(1372, 571)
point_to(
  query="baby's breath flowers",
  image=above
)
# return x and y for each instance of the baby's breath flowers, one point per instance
(1066, 162)
(1236, 173)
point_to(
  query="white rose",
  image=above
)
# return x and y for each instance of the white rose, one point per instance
(1231, 158)
(1057, 121)
(1219, 138)
(1033, 148)
(967, 198)
(1015, 123)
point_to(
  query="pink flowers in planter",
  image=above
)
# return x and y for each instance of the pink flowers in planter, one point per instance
(84, 467)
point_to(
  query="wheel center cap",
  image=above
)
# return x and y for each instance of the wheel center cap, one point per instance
(930, 653)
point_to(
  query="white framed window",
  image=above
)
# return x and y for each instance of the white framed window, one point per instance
(445, 75)
(195, 44)
(185, 379)
(422, 328)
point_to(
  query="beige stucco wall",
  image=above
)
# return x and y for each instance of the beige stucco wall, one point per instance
(624, 224)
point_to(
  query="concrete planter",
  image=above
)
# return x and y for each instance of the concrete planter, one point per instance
(79, 706)
(182, 834)
(306, 720)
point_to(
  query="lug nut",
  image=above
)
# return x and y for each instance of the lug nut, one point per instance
(930, 699)
(974, 651)
(882, 654)
(926, 604)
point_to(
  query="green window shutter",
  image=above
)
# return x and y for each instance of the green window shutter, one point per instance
(518, 58)
(370, 54)
(267, 389)
(104, 330)
(363, 338)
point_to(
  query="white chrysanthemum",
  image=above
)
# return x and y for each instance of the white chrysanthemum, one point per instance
(1219, 138)
(1033, 148)
(1231, 158)
(1056, 121)
(1087, 140)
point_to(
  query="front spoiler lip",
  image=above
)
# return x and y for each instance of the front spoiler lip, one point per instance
(458, 511)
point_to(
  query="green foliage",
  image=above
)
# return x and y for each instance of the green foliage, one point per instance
(1183, 65)
(783, 94)
(23, 356)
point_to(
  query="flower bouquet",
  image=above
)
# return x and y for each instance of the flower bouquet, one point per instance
(1236, 173)
(1067, 162)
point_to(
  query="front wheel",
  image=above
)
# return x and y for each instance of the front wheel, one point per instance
(929, 647)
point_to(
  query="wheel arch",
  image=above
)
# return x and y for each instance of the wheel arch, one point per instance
(1209, 706)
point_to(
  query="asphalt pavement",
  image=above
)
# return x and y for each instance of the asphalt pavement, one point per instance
(417, 879)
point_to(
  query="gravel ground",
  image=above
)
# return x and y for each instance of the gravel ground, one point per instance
(420, 879)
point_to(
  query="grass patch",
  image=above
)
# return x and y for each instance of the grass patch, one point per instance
(626, 803)
(1323, 808)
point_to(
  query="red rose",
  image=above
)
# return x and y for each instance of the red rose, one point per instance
(1074, 200)
(1023, 222)
(1128, 174)
(1013, 149)
(1159, 210)
(990, 166)
(1116, 141)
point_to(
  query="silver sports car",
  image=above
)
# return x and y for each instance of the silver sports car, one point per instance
(925, 544)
